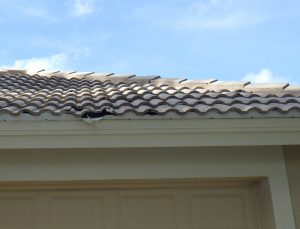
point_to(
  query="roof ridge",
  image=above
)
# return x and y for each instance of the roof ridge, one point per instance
(156, 80)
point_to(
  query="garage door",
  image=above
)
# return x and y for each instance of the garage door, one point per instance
(138, 208)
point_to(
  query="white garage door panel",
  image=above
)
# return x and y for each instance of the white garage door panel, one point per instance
(143, 210)
(223, 209)
(76, 210)
(190, 208)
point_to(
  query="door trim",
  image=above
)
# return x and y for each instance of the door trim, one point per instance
(129, 183)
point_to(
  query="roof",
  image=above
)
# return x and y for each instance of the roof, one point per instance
(94, 95)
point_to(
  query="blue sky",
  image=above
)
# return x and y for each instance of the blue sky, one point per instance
(198, 39)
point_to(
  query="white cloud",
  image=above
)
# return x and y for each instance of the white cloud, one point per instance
(38, 13)
(53, 62)
(216, 14)
(83, 7)
(203, 14)
(233, 20)
(264, 76)
(22, 9)
(79, 52)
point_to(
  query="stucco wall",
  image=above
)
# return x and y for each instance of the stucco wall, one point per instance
(135, 163)
(292, 156)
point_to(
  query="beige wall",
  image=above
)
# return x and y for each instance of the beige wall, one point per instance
(140, 163)
(292, 156)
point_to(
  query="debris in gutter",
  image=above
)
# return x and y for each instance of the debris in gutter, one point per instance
(90, 117)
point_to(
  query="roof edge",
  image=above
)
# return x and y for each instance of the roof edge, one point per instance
(180, 82)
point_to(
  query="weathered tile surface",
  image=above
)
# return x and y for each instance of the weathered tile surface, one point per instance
(87, 94)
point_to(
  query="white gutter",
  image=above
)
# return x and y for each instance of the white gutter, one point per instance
(149, 133)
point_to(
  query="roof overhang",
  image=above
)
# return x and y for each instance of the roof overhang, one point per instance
(108, 133)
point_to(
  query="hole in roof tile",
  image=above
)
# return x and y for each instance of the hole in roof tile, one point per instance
(151, 112)
(27, 112)
(95, 115)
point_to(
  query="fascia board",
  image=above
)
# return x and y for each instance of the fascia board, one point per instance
(149, 133)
